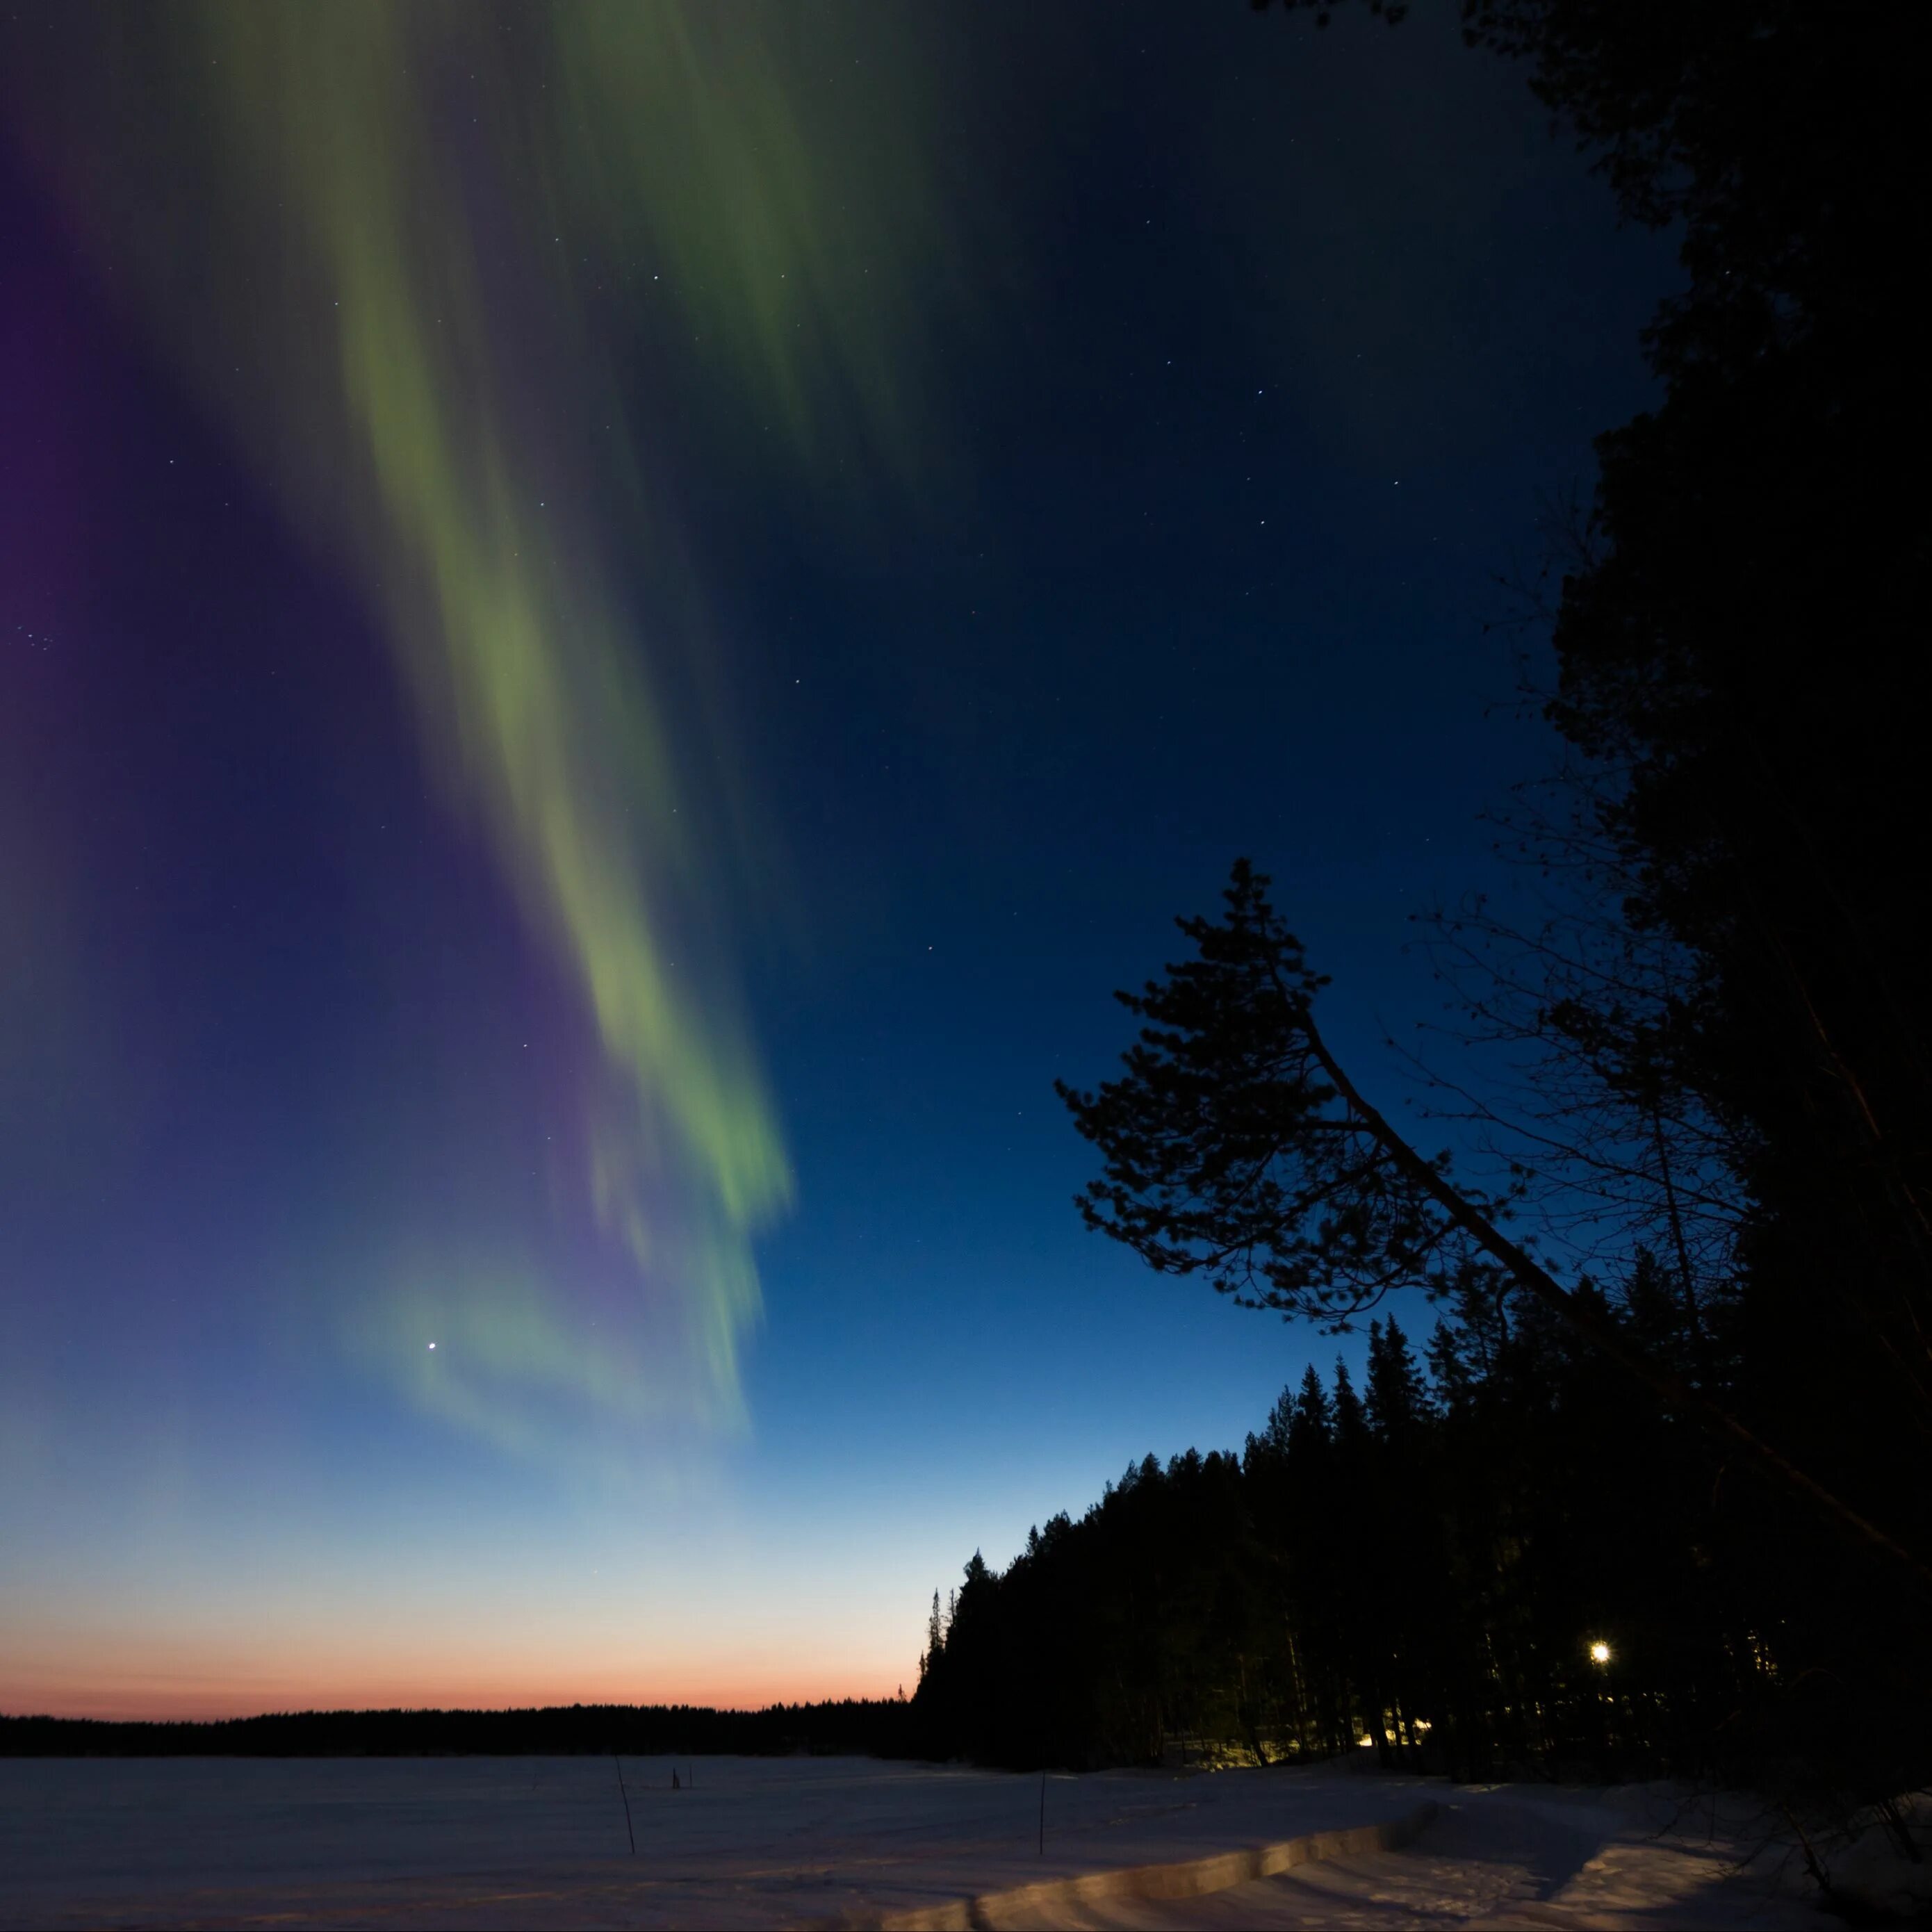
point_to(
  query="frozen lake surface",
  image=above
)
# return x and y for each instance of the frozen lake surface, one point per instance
(504, 1842)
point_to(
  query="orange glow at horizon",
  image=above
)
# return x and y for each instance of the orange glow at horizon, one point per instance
(119, 1672)
(131, 1693)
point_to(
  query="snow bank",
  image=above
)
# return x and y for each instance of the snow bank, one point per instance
(1886, 1866)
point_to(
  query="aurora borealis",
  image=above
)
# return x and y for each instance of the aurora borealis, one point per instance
(371, 200)
(584, 590)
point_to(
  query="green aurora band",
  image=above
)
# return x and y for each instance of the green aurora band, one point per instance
(352, 226)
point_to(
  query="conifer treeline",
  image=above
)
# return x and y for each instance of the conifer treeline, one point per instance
(879, 1725)
(1716, 1010)
(1424, 1566)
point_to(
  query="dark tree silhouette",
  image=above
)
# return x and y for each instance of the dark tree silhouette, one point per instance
(1234, 1144)
(1734, 668)
(882, 1727)
(1421, 1572)
(1722, 1033)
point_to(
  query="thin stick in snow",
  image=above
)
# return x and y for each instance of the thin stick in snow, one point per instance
(626, 1797)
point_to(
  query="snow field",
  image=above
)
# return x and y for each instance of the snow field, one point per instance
(501, 1842)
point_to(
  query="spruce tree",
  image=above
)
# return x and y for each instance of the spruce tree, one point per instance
(1312, 1422)
(1396, 1394)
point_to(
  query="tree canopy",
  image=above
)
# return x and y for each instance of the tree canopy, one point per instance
(1735, 992)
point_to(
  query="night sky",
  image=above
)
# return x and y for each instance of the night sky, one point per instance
(614, 626)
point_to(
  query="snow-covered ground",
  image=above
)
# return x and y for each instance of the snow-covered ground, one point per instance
(543, 1842)
(1522, 1856)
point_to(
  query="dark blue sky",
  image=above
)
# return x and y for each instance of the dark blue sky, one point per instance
(1246, 356)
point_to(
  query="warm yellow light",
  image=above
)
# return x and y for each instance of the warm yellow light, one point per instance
(1600, 1652)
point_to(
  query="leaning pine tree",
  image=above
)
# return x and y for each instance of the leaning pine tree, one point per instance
(1235, 1144)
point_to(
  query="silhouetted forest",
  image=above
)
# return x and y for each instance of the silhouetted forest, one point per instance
(881, 1727)
(1422, 1566)
(1680, 1403)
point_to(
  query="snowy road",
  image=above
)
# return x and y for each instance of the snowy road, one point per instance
(1507, 1858)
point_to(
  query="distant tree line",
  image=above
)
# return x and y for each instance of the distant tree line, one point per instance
(1681, 1402)
(879, 1727)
